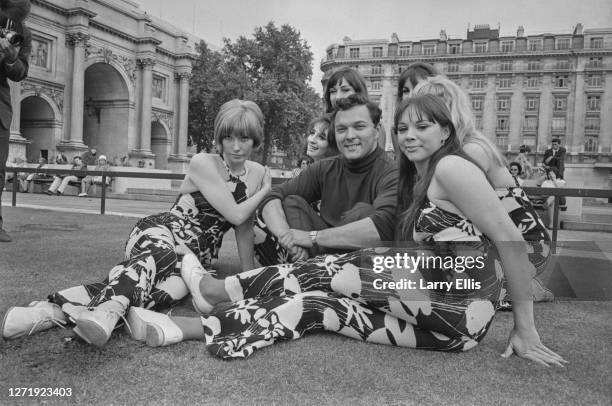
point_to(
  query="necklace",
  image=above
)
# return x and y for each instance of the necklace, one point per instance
(238, 176)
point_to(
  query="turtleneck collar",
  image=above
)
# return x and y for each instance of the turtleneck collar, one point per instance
(364, 164)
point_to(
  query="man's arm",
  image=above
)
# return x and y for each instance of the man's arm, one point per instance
(16, 63)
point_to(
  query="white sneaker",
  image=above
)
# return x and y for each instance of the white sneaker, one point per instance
(38, 316)
(73, 311)
(96, 325)
(82, 194)
(192, 272)
(157, 329)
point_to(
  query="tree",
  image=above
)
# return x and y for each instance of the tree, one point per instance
(272, 69)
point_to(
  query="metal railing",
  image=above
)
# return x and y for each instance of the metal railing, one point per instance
(556, 192)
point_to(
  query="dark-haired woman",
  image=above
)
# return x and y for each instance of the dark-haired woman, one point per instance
(218, 193)
(446, 198)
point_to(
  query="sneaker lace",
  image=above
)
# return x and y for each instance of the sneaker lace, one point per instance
(45, 320)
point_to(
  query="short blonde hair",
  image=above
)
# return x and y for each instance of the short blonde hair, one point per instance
(239, 116)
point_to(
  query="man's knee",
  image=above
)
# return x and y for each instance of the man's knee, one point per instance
(293, 202)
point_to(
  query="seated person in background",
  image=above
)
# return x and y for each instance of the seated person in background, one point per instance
(516, 170)
(555, 157)
(88, 180)
(61, 181)
(303, 164)
(357, 189)
(25, 181)
(61, 159)
(522, 159)
(17, 163)
(552, 181)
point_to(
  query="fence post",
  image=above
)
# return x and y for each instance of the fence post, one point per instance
(555, 221)
(16, 185)
(103, 195)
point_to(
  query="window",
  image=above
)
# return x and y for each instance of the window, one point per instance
(597, 42)
(376, 85)
(532, 103)
(480, 47)
(561, 81)
(503, 103)
(377, 52)
(404, 50)
(594, 80)
(354, 52)
(478, 83)
(563, 64)
(159, 87)
(560, 103)
(562, 43)
(376, 70)
(593, 103)
(534, 44)
(591, 144)
(591, 124)
(478, 122)
(502, 141)
(558, 124)
(429, 49)
(453, 67)
(505, 66)
(503, 123)
(530, 123)
(505, 82)
(507, 46)
(454, 49)
(595, 62)
(479, 66)
(533, 65)
(529, 140)
(533, 82)
(477, 103)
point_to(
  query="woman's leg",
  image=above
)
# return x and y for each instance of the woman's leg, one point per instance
(57, 181)
(236, 330)
(65, 182)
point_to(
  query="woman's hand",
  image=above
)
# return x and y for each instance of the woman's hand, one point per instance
(266, 180)
(527, 344)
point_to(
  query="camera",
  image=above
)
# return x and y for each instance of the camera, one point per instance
(14, 38)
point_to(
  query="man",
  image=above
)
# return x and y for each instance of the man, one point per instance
(555, 156)
(14, 66)
(357, 190)
(90, 157)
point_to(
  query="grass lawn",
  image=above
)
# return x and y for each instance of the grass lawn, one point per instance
(56, 250)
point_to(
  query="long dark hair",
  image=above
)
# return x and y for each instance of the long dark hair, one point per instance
(352, 77)
(414, 73)
(412, 193)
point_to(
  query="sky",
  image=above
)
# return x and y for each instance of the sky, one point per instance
(325, 22)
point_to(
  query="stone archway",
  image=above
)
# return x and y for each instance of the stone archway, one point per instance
(39, 127)
(106, 110)
(161, 144)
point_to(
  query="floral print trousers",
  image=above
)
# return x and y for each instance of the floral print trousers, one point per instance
(150, 275)
(343, 294)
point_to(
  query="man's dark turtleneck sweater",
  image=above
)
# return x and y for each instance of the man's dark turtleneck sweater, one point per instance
(340, 184)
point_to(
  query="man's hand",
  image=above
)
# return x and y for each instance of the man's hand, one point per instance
(294, 238)
(9, 51)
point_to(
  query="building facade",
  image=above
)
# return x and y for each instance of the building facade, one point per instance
(103, 74)
(525, 89)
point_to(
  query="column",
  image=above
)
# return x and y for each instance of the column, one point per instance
(183, 112)
(146, 64)
(15, 89)
(78, 41)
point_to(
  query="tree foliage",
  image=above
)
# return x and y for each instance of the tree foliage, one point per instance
(272, 69)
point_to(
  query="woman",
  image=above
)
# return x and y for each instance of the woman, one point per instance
(411, 76)
(218, 193)
(492, 162)
(321, 143)
(343, 83)
(445, 197)
(515, 170)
